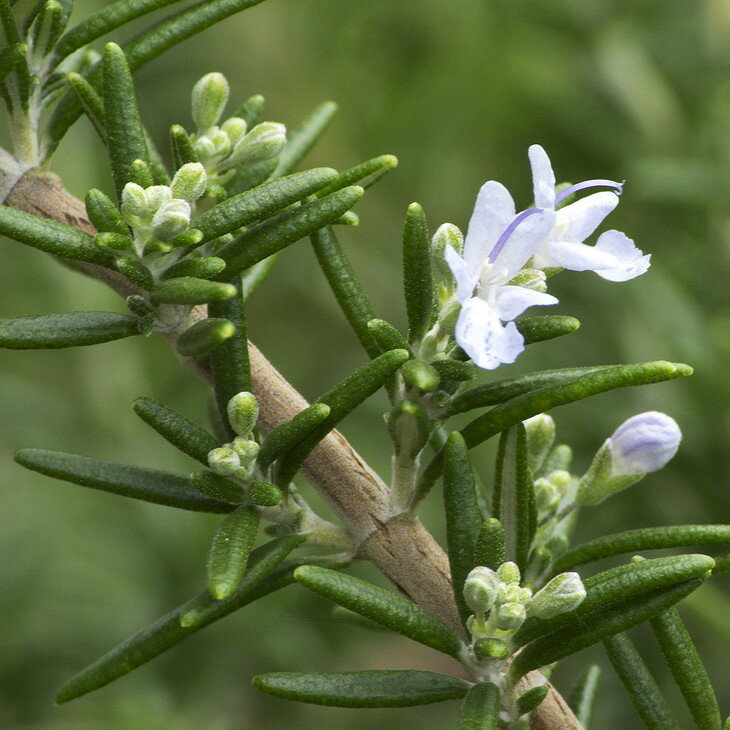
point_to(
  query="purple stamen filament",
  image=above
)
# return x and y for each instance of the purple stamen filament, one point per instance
(510, 230)
(617, 186)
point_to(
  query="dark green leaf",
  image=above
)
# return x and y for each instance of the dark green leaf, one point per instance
(229, 551)
(527, 702)
(687, 669)
(261, 202)
(133, 269)
(10, 57)
(149, 485)
(290, 433)
(264, 494)
(364, 174)
(513, 499)
(641, 687)
(583, 696)
(342, 399)
(183, 434)
(91, 102)
(417, 277)
(463, 516)
(265, 239)
(50, 236)
(386, 336)
(65, 329)
(254, 277)
(480, 709)
(455, 370)
(490, 544)
(182, 147)
(303, 137)
(384, 607)
(345, 286)
(201, 267)
(421, 375)
(546, 327)
(647, 538)
(251, 110)
(104, 214)
(187, 290)
(602, 624)
(218, 487)
(204, 336)
(125, 135)
(168, 631)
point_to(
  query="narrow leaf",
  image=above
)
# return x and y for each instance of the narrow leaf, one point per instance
(183, 434)
(10, 57)
(304, 137)
(342, 399)
(288, 434)
(619, 617)
(188, 290)
(490, 544)
(454, 370)
(687, 669)
(124, 132)
(91, 102)
(104, 214)
(204, 336)
(254, 277)
(513, 497)
(647, 538)
(182, 148)
(265, 239)
(463, 517)
(261, 202)
(386, 336)
(168, 631)
(641, 687)
(527, 702)
(229, 551)
(364, 174)
(480, 709)
(251, 110)
(417, 277)
(546, 327)
(66, 329)
(148, 485)
(382, 606)
(218, 487)
(202, 267)
(583, 696)
(50, 236)
(345, 286)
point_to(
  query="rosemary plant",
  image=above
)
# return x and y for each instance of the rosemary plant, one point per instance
(187, 243)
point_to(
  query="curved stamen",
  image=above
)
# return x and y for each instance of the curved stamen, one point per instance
(510, 230)
(617, 186)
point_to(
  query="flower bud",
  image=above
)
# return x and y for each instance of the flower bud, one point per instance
(171, 219)
(189, 182)
(134, 200)
(224, 461)
(509, 573)
(157, 196)
(204, 147)
(510, 616)
(547, 496)
(247, 450)
(235, 129)
(264, 141)
(446, 234)
(565, 592)
(209, 98)
(540, 431)
(480, 589)
(530, 279)
(243, 412)
(644, 443)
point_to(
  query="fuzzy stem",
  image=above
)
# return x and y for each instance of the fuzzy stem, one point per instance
(398, 544)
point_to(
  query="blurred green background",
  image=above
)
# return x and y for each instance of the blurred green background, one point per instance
(634, 89)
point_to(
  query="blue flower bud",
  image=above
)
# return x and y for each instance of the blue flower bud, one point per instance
(644, 443)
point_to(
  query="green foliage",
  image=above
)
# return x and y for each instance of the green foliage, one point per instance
(480, 710)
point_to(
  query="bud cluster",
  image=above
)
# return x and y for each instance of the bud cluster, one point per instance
(162, 212)
(238, 458)
(222, 147)
(501, 605)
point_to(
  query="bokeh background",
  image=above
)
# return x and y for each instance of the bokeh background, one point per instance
(634, 89)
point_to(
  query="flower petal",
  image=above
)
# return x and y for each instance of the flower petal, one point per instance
(543, 177)
(484, 338)
(586, 214)
(629, 261)
(579, 257)
(524, 241)
(465, 278)
(513, 300)
(493, 211)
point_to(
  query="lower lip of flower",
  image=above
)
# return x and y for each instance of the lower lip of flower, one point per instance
(617, 186)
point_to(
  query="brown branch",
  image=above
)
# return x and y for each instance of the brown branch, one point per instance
(397, 544)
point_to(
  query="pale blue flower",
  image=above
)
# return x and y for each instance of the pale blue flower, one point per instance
(498, 244)
(614, 257)
(644, 443)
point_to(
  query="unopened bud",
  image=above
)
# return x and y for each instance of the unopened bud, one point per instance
(134, 200)
(547, 496)
(157, 196)
(480, 589)
(564, 593)
(644, 443)
(247, 450)
(446, 235)
(209, 98)
(540, 432)
(510, 616)
(189, 182)
(264, 141)
(171, 219)
(530, 279)
(224, 461)
(509, 573)
(235, 129)
(243, 412)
